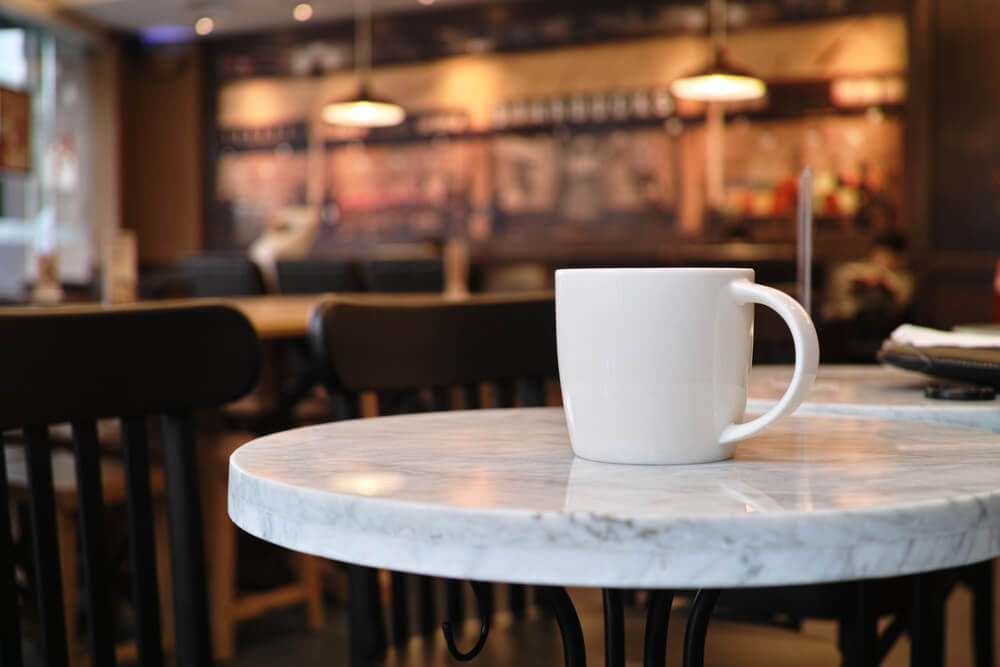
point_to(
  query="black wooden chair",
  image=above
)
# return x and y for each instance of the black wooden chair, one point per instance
(221, 275)
(405, 275)
(84, 364)
(316, 276)
(393, 357)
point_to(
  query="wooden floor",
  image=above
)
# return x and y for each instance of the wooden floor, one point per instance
(281, 640)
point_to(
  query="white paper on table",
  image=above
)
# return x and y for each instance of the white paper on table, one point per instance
(910, 334)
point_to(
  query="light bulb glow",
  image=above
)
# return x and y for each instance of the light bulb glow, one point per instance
(204, 26)
(363, 113)
(719, 88)
(426, 2)
(302, 12)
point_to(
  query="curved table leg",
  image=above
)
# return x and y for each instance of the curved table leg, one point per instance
(697, 627)
(574, 653)
(484, 603)
(614, 628)
(657, 624)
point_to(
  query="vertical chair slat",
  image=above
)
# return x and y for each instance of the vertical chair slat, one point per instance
(10, 627)
(48, 577)
(187, 552)
(428, 605)
(533, 392)
(93, 542)
(141, 542)
(399, 601)
(471, 391)
(505, 393)
(454, 603)
(343, 404)
(517, 599)
(440, 398)
(388, 402)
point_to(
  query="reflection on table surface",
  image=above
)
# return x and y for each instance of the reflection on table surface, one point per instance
(520, 460)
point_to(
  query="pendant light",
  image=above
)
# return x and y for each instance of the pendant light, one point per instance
(721, 81)
(363, 110)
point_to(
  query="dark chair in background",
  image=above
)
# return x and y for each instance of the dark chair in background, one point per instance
(233, 275)
(270, 407)
(315, 276)
(82, 365)
(405, 275)
(221, 275)
(404, 357)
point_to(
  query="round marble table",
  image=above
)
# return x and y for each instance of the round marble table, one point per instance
(496, 495)
(875, 391)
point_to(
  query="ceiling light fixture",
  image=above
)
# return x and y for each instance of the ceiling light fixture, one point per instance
(721, 81)
(363, 110)
(426, 2)
(204, 26)
(302, 12)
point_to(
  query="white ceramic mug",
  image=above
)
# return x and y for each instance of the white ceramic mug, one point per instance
(654, 362)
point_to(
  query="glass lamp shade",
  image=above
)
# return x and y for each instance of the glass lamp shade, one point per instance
(363, 111)
(719, 83)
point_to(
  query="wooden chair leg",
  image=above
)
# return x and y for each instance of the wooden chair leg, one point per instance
(163, 578)
(222, 547)
(66, 529)
(309, 575)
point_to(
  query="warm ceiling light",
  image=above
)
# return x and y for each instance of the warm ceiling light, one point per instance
(426, 2)
(364, 110)
(721, 81)
(204, 26)
(719, 84)
(303, 11)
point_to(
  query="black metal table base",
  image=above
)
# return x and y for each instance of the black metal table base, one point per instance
(860, 643)
(574, 651)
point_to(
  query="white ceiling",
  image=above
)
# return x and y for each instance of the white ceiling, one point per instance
(231, 16)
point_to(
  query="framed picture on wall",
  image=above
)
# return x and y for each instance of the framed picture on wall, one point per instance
(15, 130)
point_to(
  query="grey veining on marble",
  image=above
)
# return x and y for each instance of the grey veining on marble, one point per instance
(497, 495)
(874, 391)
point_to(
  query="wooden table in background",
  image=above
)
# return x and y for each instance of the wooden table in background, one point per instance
(278, 316)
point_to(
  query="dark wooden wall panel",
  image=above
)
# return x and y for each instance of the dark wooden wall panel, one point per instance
(965, 132)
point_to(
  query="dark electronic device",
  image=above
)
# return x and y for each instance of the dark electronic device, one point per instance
(959, 392)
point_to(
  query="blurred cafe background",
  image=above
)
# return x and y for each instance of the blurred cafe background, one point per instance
(163, 149)
(154, 141)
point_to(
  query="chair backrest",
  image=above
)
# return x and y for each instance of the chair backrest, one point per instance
(388, 346)
(315, 276)
(405, 275)
(221, 276)
(78, 365)
(411, 353)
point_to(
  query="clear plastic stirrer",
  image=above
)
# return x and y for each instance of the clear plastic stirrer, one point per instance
(805, 225)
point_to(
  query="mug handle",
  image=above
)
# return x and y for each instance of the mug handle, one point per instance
(806, 355)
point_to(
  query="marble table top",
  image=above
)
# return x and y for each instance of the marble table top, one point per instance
(876, 391)
(497, 495)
